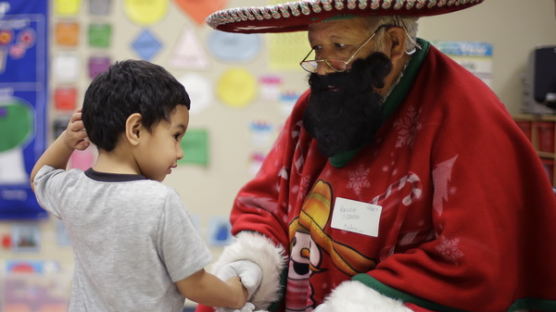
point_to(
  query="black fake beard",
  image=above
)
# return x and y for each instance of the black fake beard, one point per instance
(344, 112)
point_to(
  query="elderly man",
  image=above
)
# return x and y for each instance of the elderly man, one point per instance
(399, 181)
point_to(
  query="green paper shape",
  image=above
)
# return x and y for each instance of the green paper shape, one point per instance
(16, 124)
(100, 35)
(195, 147)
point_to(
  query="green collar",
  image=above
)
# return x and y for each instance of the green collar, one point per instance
(394, 100)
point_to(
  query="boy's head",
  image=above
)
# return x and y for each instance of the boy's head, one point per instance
(129, 87)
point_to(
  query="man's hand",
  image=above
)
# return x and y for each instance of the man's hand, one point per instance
(250, 275)
(75, 136)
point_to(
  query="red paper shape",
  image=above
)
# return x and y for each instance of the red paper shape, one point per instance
(198, 10)
(65, 98)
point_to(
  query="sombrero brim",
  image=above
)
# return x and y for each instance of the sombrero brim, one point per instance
(296, 16)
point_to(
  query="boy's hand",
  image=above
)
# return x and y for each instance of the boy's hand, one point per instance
(75, 136)
(240, 292)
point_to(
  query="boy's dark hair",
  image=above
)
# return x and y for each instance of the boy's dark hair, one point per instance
(129, 87)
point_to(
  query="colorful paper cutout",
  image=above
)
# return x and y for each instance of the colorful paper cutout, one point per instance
(286, 50)
(66, 34)
(255, 162)
(287, 101)
(146, 45)
(65, 98)
(200, 92)
(146, 12)
(67, 7)
(199, 10)
(234, 47)
(236, 87)
(219, 232)
(98, 65)
(26, 237)
(195, 147)
(100, 35)
(83, 159)
(35, 292)
(65, 68)
(261, 133)
(270, 87)
(188, 52)
(100, 7)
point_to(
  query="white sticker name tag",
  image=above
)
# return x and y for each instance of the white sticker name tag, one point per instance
(355, 216)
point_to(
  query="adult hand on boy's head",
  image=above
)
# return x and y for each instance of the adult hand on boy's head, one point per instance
(75, 135)
(249, 273)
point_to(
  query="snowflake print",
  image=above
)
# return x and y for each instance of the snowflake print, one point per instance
(449, 249)
(407, 127)
(358, 179)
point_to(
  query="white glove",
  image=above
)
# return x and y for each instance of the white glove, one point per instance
(248, 272)
(250, 275)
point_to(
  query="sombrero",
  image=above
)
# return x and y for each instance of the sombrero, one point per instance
(296, 16)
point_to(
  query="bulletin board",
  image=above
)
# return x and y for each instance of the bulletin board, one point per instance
(23, 103)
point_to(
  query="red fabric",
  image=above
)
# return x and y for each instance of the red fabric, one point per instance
(467, 210)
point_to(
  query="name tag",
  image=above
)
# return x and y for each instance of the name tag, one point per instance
(354, 216)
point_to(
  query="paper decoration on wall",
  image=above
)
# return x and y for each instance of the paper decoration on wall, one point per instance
(234, 47)
(200, 92)
(287, 101)
(146, 45)
(99, 35)
(199, 10)
(65, 98)
(35, 292)
(261, 133)
(195, 146)
(476, 57)
(67, 7)
(146, 12)
(188, 52)
(37, 267)
(255, 162)
(24, 81)
(65, 67)
(26, 237)
(236, 87)
(100, 7)
(83, 159)
(219, 231)
(15, 44)
(286, 50)
(16, 118)
(66, 34)
(270, 87)
(98, 65)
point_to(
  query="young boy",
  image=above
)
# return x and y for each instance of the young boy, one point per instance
(135, 246)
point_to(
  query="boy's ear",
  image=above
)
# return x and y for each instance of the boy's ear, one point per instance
(133, 126)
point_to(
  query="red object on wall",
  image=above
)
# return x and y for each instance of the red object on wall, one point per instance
(65, 98)
(545, 136)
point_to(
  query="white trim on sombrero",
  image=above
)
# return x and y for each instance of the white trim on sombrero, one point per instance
(294, 16)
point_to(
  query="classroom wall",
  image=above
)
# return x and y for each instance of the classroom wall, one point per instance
(513, 27)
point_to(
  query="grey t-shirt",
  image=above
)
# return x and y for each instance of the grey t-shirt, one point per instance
(131, 237)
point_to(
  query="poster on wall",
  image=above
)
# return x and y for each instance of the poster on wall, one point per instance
(23, 103)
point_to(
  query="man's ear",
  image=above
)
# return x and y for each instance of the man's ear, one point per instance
(396, 42)
(133, 127)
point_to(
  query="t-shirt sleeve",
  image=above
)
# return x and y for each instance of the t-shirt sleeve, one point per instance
(180, 246)
(48, 186)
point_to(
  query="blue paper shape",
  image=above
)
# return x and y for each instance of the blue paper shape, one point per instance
(234, 47)
(146, 45)
(219, 232)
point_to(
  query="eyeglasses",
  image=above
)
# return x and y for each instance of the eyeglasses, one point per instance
(336, 65)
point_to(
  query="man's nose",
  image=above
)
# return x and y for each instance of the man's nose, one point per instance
(323, 68)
